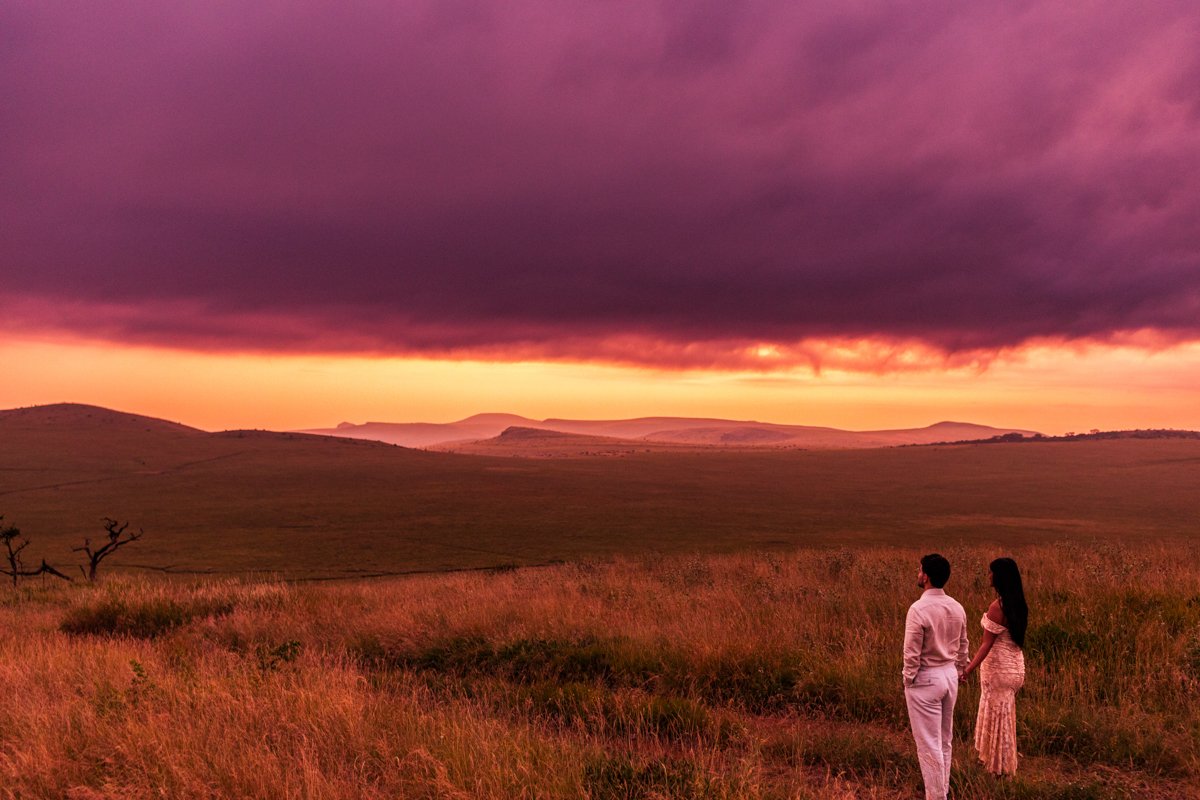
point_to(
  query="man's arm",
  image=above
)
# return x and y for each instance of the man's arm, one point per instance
(914, 639)
(964, 647)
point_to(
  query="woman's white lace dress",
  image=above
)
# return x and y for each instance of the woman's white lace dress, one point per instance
(1001, 673)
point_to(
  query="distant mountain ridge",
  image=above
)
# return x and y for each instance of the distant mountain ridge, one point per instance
(676, 430)
(694, 431)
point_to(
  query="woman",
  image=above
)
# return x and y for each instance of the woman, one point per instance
(1001, 665)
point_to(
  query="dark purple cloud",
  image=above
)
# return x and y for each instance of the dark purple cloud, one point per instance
(568, 179)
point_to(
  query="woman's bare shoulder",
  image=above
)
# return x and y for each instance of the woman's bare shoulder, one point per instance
(995, 613)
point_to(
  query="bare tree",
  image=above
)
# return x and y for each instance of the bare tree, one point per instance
(9, 536)
(16, 569)
(114, 530)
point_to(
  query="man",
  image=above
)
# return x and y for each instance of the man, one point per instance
(935, 652)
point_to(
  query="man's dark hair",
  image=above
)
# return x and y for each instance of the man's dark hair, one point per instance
(937, 568)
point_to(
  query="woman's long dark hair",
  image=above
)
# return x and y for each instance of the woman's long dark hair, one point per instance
(1007, 580)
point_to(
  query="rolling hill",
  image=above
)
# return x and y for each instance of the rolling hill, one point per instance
(524, 442)
(677, 430)
(320, 506)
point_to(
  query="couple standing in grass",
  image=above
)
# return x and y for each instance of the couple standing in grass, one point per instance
(936, 661)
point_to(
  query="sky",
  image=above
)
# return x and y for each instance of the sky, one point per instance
(859, 214)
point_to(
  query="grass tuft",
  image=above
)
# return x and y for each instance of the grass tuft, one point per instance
(621, 778)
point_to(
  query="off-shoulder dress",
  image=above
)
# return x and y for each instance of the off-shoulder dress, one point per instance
(1001, 674)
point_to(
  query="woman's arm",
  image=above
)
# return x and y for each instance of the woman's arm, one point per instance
(995, 614)
(989, 639)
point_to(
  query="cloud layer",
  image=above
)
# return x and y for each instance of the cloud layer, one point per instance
(675, 183)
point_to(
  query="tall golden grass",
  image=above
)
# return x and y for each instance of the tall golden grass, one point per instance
(747, 676)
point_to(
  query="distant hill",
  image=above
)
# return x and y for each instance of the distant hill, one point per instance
(77, 416)
(1095, 436)
(424, 434)
(272, 503)
(538, 443)
(674, 430)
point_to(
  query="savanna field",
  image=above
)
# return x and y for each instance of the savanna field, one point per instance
(769, 675)
(661, 625)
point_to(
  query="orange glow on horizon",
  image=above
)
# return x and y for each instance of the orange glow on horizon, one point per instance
(1047, 388)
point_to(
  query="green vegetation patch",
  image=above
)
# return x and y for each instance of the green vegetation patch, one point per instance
(850, 751)
(621, 778)
(1050, 643)
(974, 783)
(141, 619)
(527, 660)
(755, 680)
(1119, 739)
(598, 709)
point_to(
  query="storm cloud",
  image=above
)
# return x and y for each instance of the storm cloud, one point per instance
(672, 183)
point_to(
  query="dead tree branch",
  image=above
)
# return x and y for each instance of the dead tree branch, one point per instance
(16, 570)
(47, 569)
(114, 530)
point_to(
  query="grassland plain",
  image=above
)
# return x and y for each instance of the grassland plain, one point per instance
(312, 506)
(768, 675)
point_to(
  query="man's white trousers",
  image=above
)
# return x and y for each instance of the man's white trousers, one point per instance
(931, 711)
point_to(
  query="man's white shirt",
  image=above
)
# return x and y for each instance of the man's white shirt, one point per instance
(935, 634)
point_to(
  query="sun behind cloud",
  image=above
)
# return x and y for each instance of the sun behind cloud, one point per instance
(1051, 389)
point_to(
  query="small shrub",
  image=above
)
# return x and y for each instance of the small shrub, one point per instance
(108, 699)
(272, 658)
(532, 659)
(840, 561)
(146, 619)
(111, 700)
(456, 654)
(367, 649)
(142, 685)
